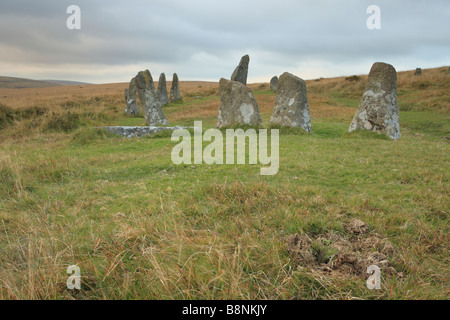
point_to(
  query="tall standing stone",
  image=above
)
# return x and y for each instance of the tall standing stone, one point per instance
(291, 105)
(241, 71)
(418, 72)
(161, 94)
(175, 89)
(274, 83)
(132, 108)
(378, 109)
(237, 105)
(150, 104)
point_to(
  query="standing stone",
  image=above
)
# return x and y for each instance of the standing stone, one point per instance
(150, 104)
(241, 71)
(132, 108)
(378, 109)
(448, 71)
(161, 94)
(237, 105)
(175, 89)
(418, 72)
(126, 98)
(291, 105)
(274, 83)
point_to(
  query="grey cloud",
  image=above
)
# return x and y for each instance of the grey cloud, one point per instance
(284, 33)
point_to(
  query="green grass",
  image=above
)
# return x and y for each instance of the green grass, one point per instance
(140, 227)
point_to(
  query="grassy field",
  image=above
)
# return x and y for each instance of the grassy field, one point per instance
(140, 227)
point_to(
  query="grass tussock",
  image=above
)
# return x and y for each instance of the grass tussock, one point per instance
(11, 185)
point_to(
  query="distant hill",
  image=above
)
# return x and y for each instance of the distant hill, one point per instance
(66, 83)
(17, 83)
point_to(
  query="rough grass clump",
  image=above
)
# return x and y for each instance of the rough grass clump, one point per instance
(31, 112)
(9, 115)
(10, 181)
(7, 182)
(69, 105)
(285, 130)
(6, 116)
(63, 122)
(353, 78)
(85, 136)
(365, 134)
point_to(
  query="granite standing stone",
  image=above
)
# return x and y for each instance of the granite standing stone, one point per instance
(161, 94)
(291, 105)
(378, 109)
(237, 105)
(151, 106)
(241, 71)
(274, 83)
(418, 72)
(175, 89)
(132, 108)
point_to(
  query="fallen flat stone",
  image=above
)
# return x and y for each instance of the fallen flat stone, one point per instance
(274, 83)
(237, 105)
(132, 108)
(161, 93)
(130, 132)
(241, 71)
(175, 95)
(150, 104)
(291, 105)
(378, 109)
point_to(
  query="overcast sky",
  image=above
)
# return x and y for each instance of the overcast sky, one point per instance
(205, 39)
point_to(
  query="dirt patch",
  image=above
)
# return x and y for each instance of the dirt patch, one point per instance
(343, 254)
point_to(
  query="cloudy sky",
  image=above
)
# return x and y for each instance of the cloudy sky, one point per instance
(205, 39)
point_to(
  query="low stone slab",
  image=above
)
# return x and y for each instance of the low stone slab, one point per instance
(130, 132)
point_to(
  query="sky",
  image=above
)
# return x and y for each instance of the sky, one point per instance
(205, 39)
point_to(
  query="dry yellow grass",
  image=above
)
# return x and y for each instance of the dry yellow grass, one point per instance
(320, 103)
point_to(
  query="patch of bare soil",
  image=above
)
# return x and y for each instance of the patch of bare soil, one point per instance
(343, 254)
